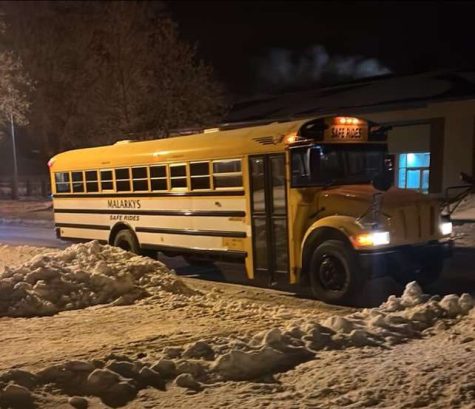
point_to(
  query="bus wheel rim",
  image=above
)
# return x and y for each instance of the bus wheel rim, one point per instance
(332, 273)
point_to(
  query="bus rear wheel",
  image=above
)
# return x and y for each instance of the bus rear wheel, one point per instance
(126, 240)
(334, 273)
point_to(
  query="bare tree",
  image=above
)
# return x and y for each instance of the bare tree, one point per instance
(108, 70)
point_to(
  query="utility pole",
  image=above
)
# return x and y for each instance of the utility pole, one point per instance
(15, 166)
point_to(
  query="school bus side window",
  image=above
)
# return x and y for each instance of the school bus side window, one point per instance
(107, 182)
(122, 180)
(227, 173)
(62, 182)
(200, 175)
(78, 182)
(92, 184)
(140, 179)
(178, 176)
(158, 177)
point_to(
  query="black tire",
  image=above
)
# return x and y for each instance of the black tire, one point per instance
(335, 274)
(198, 261)
(126, 240)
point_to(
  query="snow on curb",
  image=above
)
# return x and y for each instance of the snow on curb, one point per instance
(80, 276)
(117, 379)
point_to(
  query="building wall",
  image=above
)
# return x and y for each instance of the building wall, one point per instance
(445, 129)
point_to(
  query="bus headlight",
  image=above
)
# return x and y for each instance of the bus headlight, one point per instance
(371, 239)
(445, 228)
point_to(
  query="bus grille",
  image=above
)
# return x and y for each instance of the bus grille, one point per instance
(416, 222)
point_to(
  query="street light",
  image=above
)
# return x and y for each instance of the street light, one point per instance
(15, 166)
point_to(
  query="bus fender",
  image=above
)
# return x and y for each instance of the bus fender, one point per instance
(328, 228)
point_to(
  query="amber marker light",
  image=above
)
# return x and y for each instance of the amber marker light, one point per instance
(344, 120)
(291, 138)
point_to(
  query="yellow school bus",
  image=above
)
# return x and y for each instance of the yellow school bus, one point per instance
(295, 201)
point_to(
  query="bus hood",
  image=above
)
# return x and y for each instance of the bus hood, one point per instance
(410, 216)
(365, 193)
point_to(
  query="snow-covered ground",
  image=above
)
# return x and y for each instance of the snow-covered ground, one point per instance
(465, 210)
(128, 332)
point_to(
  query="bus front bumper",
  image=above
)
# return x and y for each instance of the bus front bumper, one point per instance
(404, 260)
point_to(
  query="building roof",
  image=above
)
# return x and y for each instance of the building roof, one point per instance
(368, 95)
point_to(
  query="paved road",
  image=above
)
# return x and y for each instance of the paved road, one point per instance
(45, 237)
(458, 276)
(30, 235)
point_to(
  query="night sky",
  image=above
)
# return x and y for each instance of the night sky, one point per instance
(244, 40)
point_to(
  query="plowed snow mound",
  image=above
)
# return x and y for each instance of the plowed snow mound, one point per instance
(116, 379)
(81, 276)
(396, 321)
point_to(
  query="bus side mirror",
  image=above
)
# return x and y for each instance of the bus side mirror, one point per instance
(383, 181)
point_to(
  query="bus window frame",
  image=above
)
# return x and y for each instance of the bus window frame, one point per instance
(107, 180)
(240, 187)
(202, 176)
(146, 178)
(69, 191)
(97, 181)
(82, 182)
(171, 178)
(166, 177)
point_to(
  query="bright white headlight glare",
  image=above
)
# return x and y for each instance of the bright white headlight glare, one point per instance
(445, 228)
(372, 239)
(380, 238)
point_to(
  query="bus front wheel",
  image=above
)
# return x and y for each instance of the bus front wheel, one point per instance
(334, 273)
(126, 240)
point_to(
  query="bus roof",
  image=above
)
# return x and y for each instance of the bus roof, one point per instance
(219, 144)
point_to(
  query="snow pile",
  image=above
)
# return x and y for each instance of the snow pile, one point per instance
(466, 209)
(81, 276)
(117, 379)
(16, 255)
(397, 320)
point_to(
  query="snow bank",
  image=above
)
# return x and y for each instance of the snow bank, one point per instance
(117, 379)
(81, 276)
(466, 209)
(398, 320)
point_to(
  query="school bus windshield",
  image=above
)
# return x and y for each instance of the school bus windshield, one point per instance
(329, 164)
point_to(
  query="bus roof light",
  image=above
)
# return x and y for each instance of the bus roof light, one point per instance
(345, 120)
